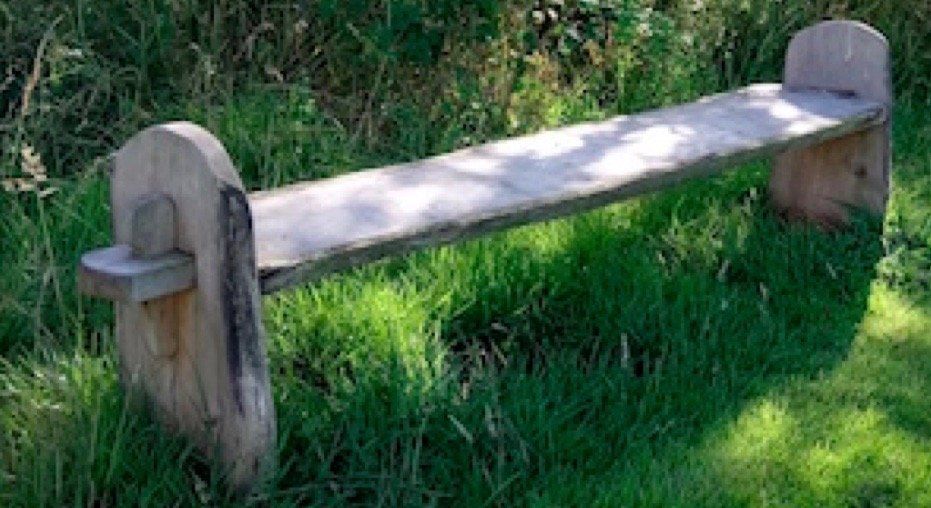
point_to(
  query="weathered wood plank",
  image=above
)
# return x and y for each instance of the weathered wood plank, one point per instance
(117, 274)
(309, 229)
(149, 267)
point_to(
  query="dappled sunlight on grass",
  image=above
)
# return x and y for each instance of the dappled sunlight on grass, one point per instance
(894, 318)
(856, 435)
(759, 431)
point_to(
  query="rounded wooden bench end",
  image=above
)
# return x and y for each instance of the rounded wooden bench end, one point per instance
(822, 183)
(197, 355)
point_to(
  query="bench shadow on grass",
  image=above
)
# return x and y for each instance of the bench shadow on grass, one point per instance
(644, 333)
(777, 307)
(627, 340)
(715, 329)
(694, 350)
(852, 430)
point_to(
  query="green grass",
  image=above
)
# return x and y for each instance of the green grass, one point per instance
(681, 349)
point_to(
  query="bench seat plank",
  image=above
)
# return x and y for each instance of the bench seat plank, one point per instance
(309, 229)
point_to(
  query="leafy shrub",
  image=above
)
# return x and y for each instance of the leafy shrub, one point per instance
(79, 77)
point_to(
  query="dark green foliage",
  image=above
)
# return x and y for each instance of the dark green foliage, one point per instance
(108, 67)
(413, 31)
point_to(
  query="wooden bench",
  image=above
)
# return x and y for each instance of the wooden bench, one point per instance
(194, 251)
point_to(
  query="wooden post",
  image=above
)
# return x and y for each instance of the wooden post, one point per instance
(820, 183)
(188, 311)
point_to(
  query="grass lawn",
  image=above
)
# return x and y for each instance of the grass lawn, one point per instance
(683, 349)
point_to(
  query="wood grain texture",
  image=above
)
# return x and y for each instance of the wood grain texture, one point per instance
(821, 182)
(310, 229)
(154, 227)
(198, 356)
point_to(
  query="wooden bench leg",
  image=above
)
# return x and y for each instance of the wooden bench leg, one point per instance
(197, 355)
(822, 182)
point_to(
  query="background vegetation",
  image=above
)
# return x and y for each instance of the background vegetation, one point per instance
(681, 349)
